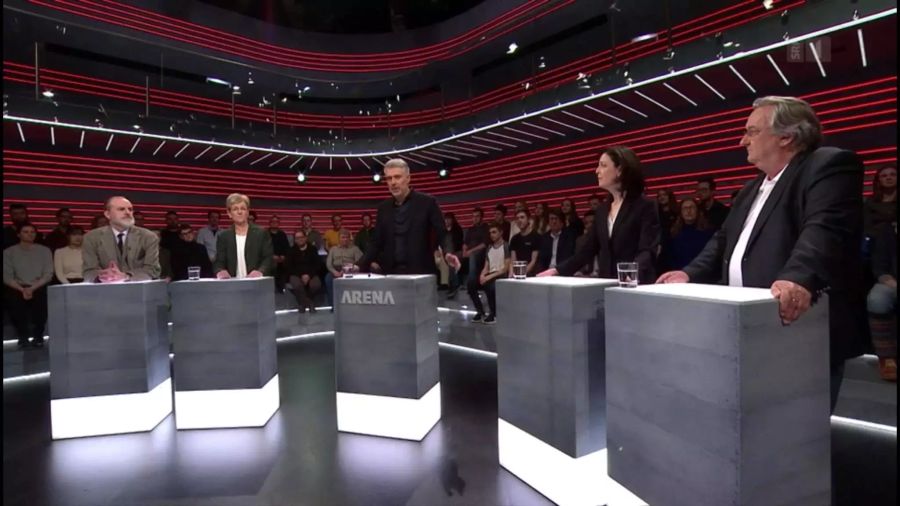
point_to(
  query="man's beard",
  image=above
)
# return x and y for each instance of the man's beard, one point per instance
(126, 222)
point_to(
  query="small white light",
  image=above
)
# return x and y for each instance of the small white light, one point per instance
(376, 177)
(215, 80)
(301, 177)
(642, 38)
(512, 48)
(47, 93)
(768, 4)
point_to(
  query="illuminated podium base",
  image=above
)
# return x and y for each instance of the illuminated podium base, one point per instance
(386, 355)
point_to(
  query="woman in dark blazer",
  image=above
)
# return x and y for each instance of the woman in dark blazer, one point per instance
(626, 229)
(255, 242)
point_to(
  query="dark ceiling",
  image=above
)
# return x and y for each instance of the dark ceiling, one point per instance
(348, 16)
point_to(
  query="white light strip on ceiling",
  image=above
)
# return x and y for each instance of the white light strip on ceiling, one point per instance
(245, 155)
(532, 125)
(471, 150)
(778, 69)
(216, 159)
(483, 146)
(161, 144)
(741, 77)
(278, 161)
(81, 142)
(661, 106)
(53, 137)
(346, 161)
(183, 148)
(812, 47)
(21, 133)
(263, 157)
(504, 136)
(313, 164)
(203, 152)
(710, 87)
(109, 142)
(545, 118)
(363, 160)
(135, 145)
(573, 115)
(409, 156)
(445, 150)
(441, 155)
(523, 132)
(298, 161)
(589, 106)
(680, 94)
(626, 106)
(669, 75)
(862, 47)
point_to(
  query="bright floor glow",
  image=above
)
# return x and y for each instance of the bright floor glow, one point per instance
(864, 425)
(305, 336)
(27, 377)
(217, 409)
(395, 417)
(110, 414)
(468, 350)
(562, 479)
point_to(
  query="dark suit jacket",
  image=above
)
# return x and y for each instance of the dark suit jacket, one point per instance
(564, 250)
(140, 261)
(809, 231)
(186, 254)
(635, 237)
(425, 233)
(257, 251)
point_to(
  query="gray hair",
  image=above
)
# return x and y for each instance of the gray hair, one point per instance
(237, 198)
(795, 118)
(397, 163)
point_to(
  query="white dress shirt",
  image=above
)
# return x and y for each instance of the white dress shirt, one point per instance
(241, 261)
(555, 238)
(735, 265)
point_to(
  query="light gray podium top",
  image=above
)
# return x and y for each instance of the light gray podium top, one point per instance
(702, 292)
(87, 285)
(563, 281)
(371, 277)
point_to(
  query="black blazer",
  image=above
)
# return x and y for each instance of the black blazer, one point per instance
(635, 238)
(425, 233)
(257, 251)
(564, 250)
(809, 231)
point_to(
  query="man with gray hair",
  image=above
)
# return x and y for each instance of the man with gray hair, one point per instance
(121, 251)
(408, 229)
(796, 228)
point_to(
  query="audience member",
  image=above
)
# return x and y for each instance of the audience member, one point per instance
(715, 211)
(120, 251)
(881, 208)
(344, 253)
(453, 243)
(27, 269)
(68, 261)
(209, 234)
(667, 208)
(591, 269)
(169, 236)
(541, 219)
(573, 222)
(687, 236)
(59, 236)
(280, 247)
(362, 238)
(251, 217)
(303, 265)
(594, 203)
(186, 252)
(796, 228)
(521, 205)
(500, 220)
(165, 262)
(524, 246)
(627, 228)
(18, 214)
(496, 265)
(882, 301)
(558, 244)
(244, 250)
(332, 235)
(474, 243)
(312, 235)
(100, 221)
(139, 219)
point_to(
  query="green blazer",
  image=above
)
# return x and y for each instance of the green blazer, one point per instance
(257, 251)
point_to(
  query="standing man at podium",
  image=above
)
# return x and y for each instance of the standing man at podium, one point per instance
(120, 251)
(406, 225)
(796, 228)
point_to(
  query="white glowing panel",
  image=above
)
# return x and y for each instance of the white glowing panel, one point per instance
(396, 417)
(110, 414)
(564, 480)
(718, 293)
(219, 409)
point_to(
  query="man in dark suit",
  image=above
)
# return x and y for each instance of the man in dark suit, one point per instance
(187, 252)
(244, 250)
(796, 228)
(120, 251)
(408, 228)
(558, 244)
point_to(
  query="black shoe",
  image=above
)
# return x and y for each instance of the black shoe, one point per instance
(312, 308)
(452, 294)
(477, 318)
(490, 320)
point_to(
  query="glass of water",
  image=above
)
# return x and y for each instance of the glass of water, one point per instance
(193, 273)
(628, 274)
(519, 270)
(347, 270)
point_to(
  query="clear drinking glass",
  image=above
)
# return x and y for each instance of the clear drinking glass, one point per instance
(194, 273)
(519, 270)
(347, 270)
(628, 274)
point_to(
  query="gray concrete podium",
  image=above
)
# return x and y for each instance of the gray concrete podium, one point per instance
(551, 388)
(386, 355)
(710, 400)
(109, 358)
(225, 367)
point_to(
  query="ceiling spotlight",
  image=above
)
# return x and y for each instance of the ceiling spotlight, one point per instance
(249, 77)
(527, 85)
(376, 178)
(644, 37)
(306, 88)
(728, 44)
(283, 100)
(768, 4)
(669, 54)
(541, 63)
(512, 48)
(215, 80)
(444, 172)
(301, 178)
(48, 93)
(136, 127)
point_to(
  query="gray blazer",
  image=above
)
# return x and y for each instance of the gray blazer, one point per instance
(140, 261)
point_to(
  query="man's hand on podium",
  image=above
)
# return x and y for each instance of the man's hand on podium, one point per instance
(374, 267)
(793, 300)
(112, 274)
(223, 274)
(548, 272)
(673, 277)
(254, 274)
